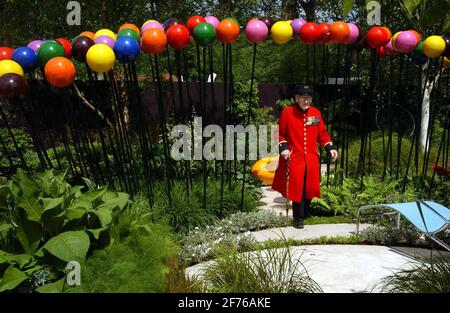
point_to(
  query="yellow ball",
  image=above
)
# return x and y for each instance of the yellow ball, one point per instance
(446, 63)
(106, 32)
(434, 46)
(100, 58)
(281, 32)
(10, 67)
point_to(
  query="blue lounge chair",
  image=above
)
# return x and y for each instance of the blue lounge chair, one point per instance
(429, 217)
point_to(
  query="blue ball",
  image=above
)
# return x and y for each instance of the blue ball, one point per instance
(26, 58)
(126, 49)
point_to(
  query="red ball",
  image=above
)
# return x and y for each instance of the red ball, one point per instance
(310, 33)
(324, 29)
(6, 53)
(178, 36)
(193, 21)
(67, 45)
(381, 52)
(228, 31)
(377, 37)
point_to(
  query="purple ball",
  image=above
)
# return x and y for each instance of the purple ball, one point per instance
(214, 21)
(297, 24)
(256, 31)
(34, 45)
(406, 42)
(354, 34)
(389, 49)
(105, 40)
(151, 25)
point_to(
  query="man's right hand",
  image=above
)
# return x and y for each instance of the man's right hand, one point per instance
(286, 154)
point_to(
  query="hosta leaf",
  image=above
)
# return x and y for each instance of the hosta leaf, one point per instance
(68, 246)
(51, 203)
(96, 232)
(12, 278)
(24, 187)
(29, 234)
(56, 287)
(4, 230)
(20, 259)
(105, 215)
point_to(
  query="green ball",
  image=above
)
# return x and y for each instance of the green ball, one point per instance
(130, 33)
(234, 19)
(419, 48)
(49, 50)
(204, 34)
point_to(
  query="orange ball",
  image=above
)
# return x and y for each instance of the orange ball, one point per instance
(88, 34)
(60, 72)
(154, 41)
(339, 32)
(228, 31)
(130, 26)
(419, 38)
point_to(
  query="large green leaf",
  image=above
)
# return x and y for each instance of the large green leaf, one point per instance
(24, 187)
(4, 230)
(29, 234)
(21, 260)
(56, 287)
(348, 6)
(411, 6)
(12, 278)
(68, 246)
(32, 208)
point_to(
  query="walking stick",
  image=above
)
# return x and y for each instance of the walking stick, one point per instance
(287, 188)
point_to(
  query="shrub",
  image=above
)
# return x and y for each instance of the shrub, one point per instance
(389, 235)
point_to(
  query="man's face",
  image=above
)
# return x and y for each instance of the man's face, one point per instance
(304, 101)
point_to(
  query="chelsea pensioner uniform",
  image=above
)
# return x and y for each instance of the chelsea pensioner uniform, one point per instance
(300, 132)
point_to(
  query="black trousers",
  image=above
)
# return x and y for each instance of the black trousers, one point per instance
(300, 209)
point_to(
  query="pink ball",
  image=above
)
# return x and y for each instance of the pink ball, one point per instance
(105, 40)
(34, 45)
(389, 49)
(406, 42)
(297, 24)
(214, 21)
(256, 31)
(354, 34)
(151, 25)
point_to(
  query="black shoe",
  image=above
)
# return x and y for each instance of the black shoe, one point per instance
(299, 224)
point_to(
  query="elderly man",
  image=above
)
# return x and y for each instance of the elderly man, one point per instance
(301, 128)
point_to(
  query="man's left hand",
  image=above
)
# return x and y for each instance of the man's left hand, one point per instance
(334, 154)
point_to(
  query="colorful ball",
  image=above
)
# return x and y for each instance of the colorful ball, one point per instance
(419, 48)
(49, 50)
(6, 53)
(281, 32)
(34, 45)
(434, 46)
(128, 32)
(339, 32)
(297, 25)
(204, 34)
(66, 45)
(60, 72)
(354, 34)
(447, 46)
(154, 41)
(394, 38)
(126, 49)
(268, 21)
(151, 25)
(88, 34)
(130, 26)
(13, 85)
(170, 22)
(233, 19)
(193, 21)
(325, 33)
(100, 58)
(389, 49)
(256, 31)
(105, 40)
(310, 33)
(406, 42)
(81, 45)
(377, 37)
(10, 67)
(148, 21)
(416, 34)
(105, 32)
(26, 58)
(178, 36)
(214, 21)
(228, 31)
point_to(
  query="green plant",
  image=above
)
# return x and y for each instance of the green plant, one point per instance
(420, 277)
(268, 271)
(46, 223)
(25, 145)
(389, 235)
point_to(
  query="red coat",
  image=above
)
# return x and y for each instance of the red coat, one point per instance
(303, 141)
